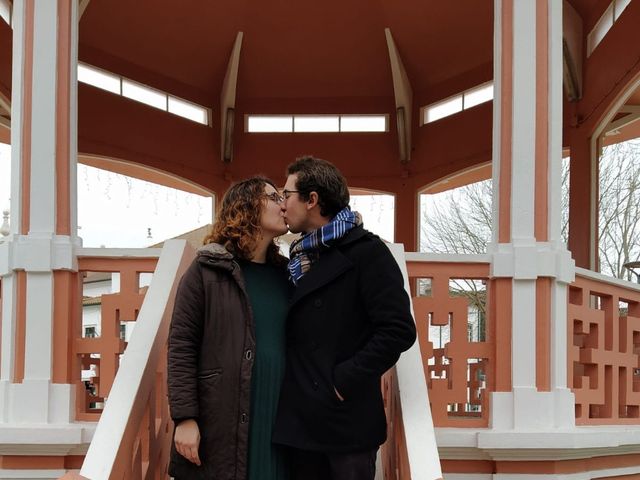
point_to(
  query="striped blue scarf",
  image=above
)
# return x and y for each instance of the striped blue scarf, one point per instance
(305, 251)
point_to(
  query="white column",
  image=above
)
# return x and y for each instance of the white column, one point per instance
(526, 242)
(43, 231)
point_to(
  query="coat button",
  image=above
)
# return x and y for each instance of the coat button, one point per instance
(243, 418)
(315, 385)
(317, 303)
(248, 354)
(313, 345)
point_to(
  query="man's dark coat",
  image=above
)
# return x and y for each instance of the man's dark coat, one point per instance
(348, 322)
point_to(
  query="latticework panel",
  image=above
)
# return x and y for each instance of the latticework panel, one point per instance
(146, 455)
(604, 352)
(454, 331)
(101, 354)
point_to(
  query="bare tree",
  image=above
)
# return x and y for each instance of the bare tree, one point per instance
(619, 208)
(461, 221)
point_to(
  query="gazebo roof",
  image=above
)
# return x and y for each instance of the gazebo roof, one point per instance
(299, 57)
(291, 50)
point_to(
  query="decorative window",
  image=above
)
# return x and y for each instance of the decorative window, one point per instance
(604, 23)
(316, 123)
(142, 93)
(457, 103)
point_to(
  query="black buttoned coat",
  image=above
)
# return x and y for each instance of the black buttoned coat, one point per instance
(348, 322)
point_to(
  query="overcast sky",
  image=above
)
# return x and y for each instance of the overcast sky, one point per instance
(117, 211)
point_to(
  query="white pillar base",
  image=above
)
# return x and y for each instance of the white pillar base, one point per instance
(526, 409)
(40, 440)
(36, 402)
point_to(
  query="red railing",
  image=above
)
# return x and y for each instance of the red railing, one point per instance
(101, 354)
(455, 310)
(604, 349)
(454, 325)
(395, 458)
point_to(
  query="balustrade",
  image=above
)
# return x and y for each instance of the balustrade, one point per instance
(455, 320)
(604, 349)
(455, 304)
(100, 354)
(133, 436)
(454, 330)
(395, 460)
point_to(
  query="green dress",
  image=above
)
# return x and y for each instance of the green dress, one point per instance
(268, 289)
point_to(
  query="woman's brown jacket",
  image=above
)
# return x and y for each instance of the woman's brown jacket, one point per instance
(211, 346)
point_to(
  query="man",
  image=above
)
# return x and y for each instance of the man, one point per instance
(348, 322)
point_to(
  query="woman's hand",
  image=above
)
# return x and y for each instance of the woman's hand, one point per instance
(187, 440)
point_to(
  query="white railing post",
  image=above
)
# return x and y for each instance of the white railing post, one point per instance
(424, 462)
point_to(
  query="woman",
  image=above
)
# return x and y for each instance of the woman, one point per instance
(226, 343)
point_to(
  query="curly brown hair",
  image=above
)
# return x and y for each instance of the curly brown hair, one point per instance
(237, 226)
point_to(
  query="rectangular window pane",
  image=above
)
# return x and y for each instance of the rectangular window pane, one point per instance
(601, 29)
(5, 12)
(99, 78)
(443, 109)
(90, 332)
(188, 110)
(325, 123)
(363, 123)
(269, 124)
(143, 94)
(478, 95)
(619, 7)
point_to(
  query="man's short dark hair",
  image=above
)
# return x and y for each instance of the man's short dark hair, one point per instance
(322, 177)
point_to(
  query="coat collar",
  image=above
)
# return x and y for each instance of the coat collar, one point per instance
(215, 255)
(331, 265)
(214, 250)
(356, 233)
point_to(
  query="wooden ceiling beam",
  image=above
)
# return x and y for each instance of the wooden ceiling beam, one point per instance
(403, 97)
(572, 40)
(228, 102)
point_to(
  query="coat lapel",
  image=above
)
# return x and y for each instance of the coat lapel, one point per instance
(331, 265)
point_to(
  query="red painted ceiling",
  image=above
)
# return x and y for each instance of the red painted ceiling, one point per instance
(295, 50)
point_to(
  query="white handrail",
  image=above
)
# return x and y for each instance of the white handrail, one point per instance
(136, 375)
(120, 252)
(424, 461)
(583, 272)
(447, 257)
